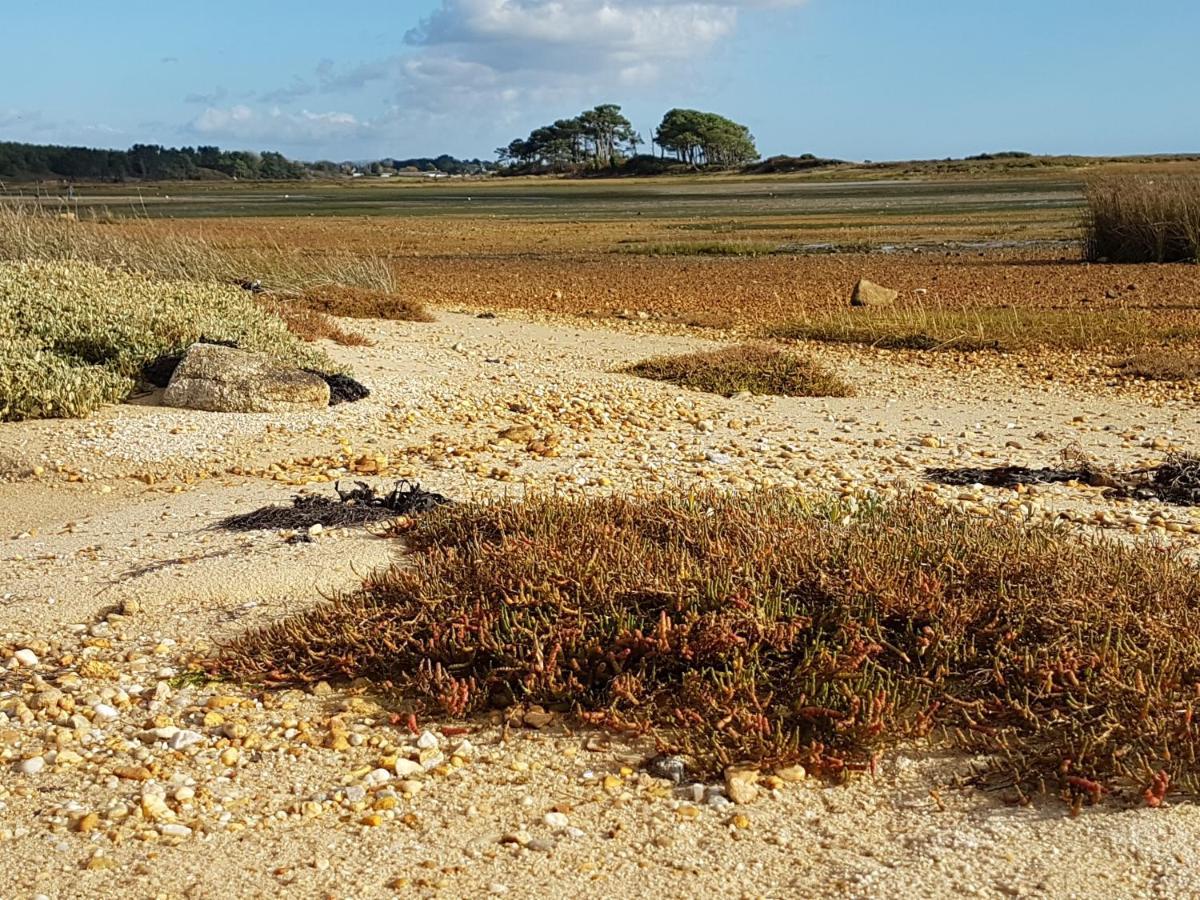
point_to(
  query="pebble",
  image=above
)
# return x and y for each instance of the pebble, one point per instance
(671, 768)
(26, 658)
(741, 784)
(31, 766)
(181, 740)
(405, 768)
(556, 820)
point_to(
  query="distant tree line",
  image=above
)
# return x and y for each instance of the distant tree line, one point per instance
(142, 161)
(151, 162)
(446, 164)
(603, 138)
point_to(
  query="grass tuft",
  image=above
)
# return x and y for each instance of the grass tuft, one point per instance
(768, 627)
(758, 368)
(1143, 219)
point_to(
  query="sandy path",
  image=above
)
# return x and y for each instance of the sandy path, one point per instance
(268, 795)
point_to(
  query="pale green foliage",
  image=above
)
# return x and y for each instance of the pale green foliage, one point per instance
(74, 336)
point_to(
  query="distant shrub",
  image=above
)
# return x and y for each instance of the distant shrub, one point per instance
(1143, 219)
(1003, 154)
(75, 336)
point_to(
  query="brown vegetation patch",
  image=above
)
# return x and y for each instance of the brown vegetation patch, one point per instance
(757, 368)
(363, 303)
(1161, 365)
(311, 325)
(764, 627)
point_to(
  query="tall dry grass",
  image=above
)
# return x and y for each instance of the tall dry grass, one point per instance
(30, 231)
(1143, 219)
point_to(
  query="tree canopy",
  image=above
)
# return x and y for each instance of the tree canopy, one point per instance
(599, 138)
(704, 138)
(602, 138)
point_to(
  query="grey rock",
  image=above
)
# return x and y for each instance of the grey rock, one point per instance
(223, 379)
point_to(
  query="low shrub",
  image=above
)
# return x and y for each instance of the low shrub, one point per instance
(1143, 219)
(769, 627)
(74, 336)
(757, 368)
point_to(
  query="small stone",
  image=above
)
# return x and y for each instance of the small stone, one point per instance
(427, 741)
(26, 658)
(405, 768)
(181, 740)
(520, 838)
(792, 773)
(174, 829)
(741, 784)
(31, 766)
(105, 712)
(670, 768)
(87, 823)
(556, 820)
(133, 773)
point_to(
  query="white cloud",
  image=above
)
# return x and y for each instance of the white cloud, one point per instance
(632, 39)
(486, 64)
(276, 126)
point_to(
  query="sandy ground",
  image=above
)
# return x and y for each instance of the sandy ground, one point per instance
(113, 578)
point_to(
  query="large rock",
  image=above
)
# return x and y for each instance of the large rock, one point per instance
(222, 379)
(868, 293)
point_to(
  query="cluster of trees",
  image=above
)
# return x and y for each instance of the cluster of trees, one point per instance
(142, 161)
(704, 138)
(603, 138)
(597, 138)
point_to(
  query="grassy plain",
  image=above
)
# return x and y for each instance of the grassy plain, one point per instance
(986, 255)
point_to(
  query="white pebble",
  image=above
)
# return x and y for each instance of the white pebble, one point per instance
(104, 711)
(427, 741)
(31, 766)
(181, 740)
(406, 767)
(556, 820)
(26, 657)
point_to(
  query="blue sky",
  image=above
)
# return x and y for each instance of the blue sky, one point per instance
(857, 79)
